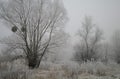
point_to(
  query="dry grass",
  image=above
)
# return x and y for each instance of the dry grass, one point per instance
(89, 70)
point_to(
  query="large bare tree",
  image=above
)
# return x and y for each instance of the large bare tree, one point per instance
(34, 23)
(90, 36)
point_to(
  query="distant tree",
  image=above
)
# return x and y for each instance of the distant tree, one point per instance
(116, 45)
(105, 52)
(34, 23)
(90, 36)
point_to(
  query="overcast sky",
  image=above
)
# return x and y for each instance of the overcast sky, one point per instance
(105, 13)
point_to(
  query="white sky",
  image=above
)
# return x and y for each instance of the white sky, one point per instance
(105, 13)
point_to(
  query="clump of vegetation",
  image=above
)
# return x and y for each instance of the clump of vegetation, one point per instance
(14, 29)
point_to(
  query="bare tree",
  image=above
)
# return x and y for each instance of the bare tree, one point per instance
(57, 45)
(116, 45)
(34, 23)
(90, 36)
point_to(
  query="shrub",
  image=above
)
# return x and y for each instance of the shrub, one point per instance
(96, 68)
(13, 75)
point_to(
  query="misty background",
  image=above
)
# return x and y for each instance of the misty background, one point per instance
(104, 13)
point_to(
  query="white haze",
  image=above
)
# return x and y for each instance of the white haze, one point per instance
(105, 13)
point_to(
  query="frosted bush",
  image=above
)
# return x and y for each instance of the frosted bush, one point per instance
(45, 65)
(13, 75)
(4, 66)
(101, 69)
(97, 68)
(13, 70)
(71, 69)
(19, 64)
(87, 67)
(71, 66)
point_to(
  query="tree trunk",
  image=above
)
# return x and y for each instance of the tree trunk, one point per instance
(32, 61)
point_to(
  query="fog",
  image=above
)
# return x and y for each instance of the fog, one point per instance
(105, 13)
(51, 39)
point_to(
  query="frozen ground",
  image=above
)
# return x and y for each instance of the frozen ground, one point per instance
(63, 70)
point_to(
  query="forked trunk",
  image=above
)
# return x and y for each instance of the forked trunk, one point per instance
(33, 62)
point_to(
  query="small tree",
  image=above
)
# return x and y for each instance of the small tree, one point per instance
(116, 46)
(90, 36)
(33, 22)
